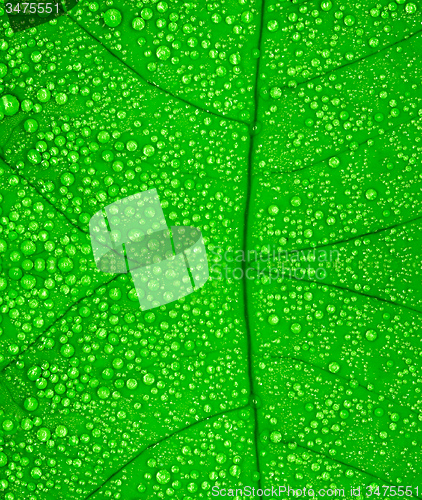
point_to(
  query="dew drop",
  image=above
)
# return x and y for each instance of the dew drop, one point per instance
(276, 92)
(276, 436)
(112, 18)
(163, 53)
(334, 367)
(273, 319)
(371, 335)
(349, 20)
(272, 25)
(296, 201)
(371, 194)
(30, 125)
(43, 434)
(30, 404)
(43, 95)
(138, 24)
(9, 105)
(148, 379)
(334, 162)
(296, 328)
(163, 476)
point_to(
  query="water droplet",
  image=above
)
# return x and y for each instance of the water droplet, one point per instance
(112, 18)
(296, 201)
(371, 194)
(30, 404)
(334, 162)
(138, 24)
(163, 52)
(148, 379)
(9, 105)
(276, 436)
(61, 431)
(273, 319)
(296, 328)
(276, 92)
(43, 95)
(411, 8)
(132, 384)
(371, 335)
(349, 20)
(30, 125)
(43, 434)
(163, 476)
(334, 367)
(149, 150)
(272, 25)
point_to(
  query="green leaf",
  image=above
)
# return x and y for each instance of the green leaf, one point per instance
(289, 134)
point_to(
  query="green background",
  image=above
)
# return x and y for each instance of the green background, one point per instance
(281, 125)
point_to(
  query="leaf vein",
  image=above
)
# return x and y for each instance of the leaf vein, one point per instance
(336, 375)
(161, 440)
(356, 61)
(152, 84)
(58, 319)
(340, 152)
(323, 455)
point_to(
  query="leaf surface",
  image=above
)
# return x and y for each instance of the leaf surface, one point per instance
(289, 134)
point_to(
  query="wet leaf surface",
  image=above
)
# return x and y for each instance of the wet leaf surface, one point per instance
(289, 134)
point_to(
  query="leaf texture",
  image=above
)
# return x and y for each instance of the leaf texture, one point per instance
(289, 134)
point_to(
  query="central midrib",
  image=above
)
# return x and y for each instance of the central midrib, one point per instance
(252, 381)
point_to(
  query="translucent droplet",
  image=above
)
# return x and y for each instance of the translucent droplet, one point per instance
(334, 367)
(371, 194)
(371, 335)
(112, 18)
(273, 319)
